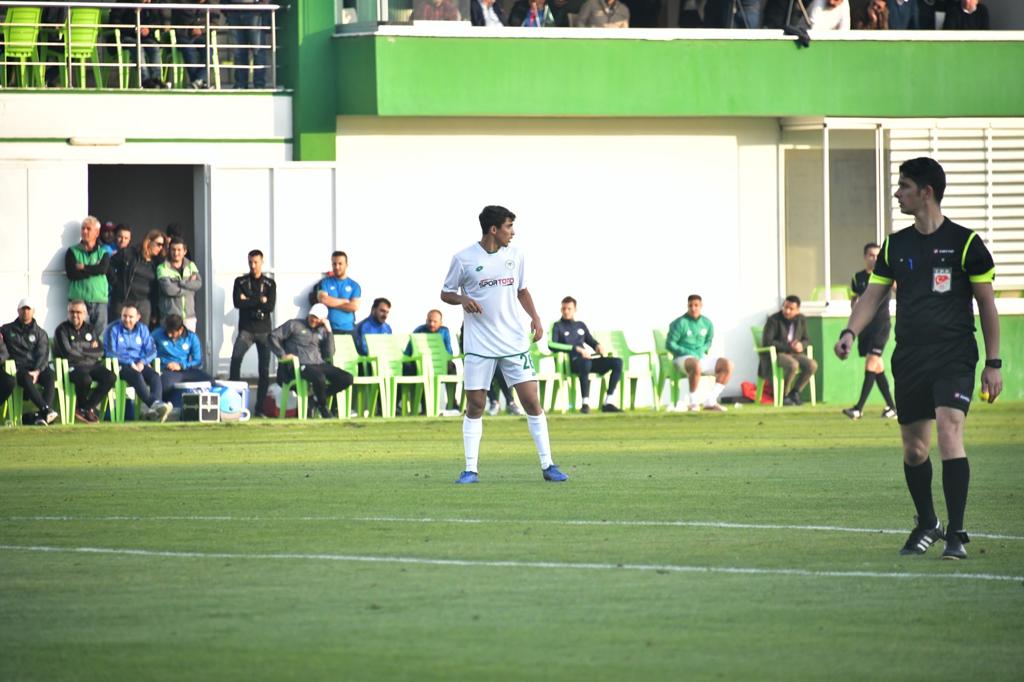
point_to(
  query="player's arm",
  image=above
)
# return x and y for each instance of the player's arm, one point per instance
(525, 300)
(991, 377)
(861, 316)
(455, 298)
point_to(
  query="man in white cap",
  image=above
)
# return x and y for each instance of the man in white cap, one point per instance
(29, 347)
(312, 342)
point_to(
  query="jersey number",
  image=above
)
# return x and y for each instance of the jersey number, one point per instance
(527, 361)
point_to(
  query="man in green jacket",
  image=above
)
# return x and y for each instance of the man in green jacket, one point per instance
(86, 264)
(179, 280)
(689, 340)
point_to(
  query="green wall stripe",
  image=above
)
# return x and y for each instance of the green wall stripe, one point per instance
(158, 140)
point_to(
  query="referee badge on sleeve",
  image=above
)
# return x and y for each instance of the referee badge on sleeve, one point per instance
(942, 280)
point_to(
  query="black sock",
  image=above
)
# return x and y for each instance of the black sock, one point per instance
(865, 389)
(919, 483)
(883, 386)
(956, 477)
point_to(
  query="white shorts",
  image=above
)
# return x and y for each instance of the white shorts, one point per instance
(480, 371)
(707, 364)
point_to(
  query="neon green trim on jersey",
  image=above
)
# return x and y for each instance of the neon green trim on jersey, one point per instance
(878, 279)
(983, 277)
(963, 256)
(885, 250)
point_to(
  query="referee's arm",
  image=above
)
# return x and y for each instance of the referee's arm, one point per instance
(862, 314)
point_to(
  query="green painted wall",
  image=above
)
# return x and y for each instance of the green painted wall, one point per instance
(307, 66)
(433, 76)
(839, 382)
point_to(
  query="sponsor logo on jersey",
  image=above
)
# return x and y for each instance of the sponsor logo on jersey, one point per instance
(942, 280)
(498, 282)
(510, 264)
(944, 251)
(479, 268)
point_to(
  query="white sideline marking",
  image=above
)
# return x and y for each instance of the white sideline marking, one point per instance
(558, 522)
(665, 568)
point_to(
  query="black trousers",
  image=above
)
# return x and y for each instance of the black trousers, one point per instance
(582, 368)
(82, 377)
(242, 345)
(324, 380)
(40, 392)
(7, 384)
(147, 383)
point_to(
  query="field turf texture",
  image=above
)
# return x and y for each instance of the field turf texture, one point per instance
(757, 544)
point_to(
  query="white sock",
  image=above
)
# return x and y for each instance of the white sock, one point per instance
(472, 432)
(715, 393)
(539, 430)
(693, 398)
(586, 400)
(609, 398)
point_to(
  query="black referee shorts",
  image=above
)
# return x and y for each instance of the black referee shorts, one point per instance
(936, 375)
(873, 339)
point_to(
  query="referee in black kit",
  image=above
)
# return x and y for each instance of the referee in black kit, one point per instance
(938, 266)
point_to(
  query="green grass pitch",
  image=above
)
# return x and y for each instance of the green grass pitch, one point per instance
(759, 544)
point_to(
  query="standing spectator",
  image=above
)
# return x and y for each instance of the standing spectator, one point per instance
(719, 14)
(250, 36)
(903, 15)
(437, 10)
(310, 341)
(142, 43)
(603, 14)
(7, 382)
(340, 294)
(75, 341)
(486, 13)
(586, 355)
(689, 340)
(181, 355)
(787, 331)
(179, 280)
(108, 238)
(122, 238)
(830, 15)
(966, 15)
(561, 9)
(375, 323)
(190, 36)
(29, 346)
(873, 16)
(531, 14)
(133, 277)
(255, 296)
(132, 345)
(86, 264)
(691, 13)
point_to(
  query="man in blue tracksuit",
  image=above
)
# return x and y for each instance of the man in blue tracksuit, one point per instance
(180, 353)
(132, 345)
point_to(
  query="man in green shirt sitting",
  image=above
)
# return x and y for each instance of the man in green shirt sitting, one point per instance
(689, 340)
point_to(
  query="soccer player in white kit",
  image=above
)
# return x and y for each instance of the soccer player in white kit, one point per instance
(486, 279)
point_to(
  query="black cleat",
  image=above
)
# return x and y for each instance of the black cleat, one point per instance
(585, 409)
(608, 407)
(922, 538)
(853, 413)
(955, 541)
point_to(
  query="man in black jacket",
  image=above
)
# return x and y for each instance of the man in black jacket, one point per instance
(787, 331)
(83, 349)
(7, 382)
(255, 296)
(312, 342)
(29, 346)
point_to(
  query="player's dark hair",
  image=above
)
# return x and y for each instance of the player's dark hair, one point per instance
(870, 245)
(694, 297)
(340, 253)
(792, 298)
(255, 252)
(569, 299)
(494, 216)
(926, 172)
(378, 301)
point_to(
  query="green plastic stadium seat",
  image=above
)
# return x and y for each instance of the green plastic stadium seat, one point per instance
(366, 391)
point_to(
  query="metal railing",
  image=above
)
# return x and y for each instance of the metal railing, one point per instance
(138, 45)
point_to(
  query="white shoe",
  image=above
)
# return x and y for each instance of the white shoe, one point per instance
(714, 407)
(493, 408)
(693, 408)
(514, 410)
(162, 410)
(451, 413)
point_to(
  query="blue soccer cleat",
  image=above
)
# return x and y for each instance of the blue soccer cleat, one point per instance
(553, 474)
(468, 477)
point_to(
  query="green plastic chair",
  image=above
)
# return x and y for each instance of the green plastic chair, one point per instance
(366, 391)
(15, 402)
(632, 373)
(81, 45)
(68, 397)
(123, 392)
(21, 44)
(668, 373)
(387, 358)
(549, 378)
(778, 379)
(301, 388)
(432, 360)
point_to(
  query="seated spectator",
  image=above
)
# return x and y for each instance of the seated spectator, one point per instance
(7, 382)
(561, 9)
(180, 353)
(872, 16)
(86, 265)
(29, 347)
(132, 345)
(75, 341)
(340, 294)
(437, 10)
(586, 355)
(966, 15)
(178, 279)
(691, 14)
(603, 14)
(133, 277)
(144, 41)
(375, 323)
(190, 36)
(903, 15)
(787, 331)
(311, 341)
(829, 15)
(689, 340)
(486, 13)
(719, 14)
(531, 14)
(433, 326)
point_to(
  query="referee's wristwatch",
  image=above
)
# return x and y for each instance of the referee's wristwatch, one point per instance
(994, 363)
(847, 330)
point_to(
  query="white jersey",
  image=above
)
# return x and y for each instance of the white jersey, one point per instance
(493, 280)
